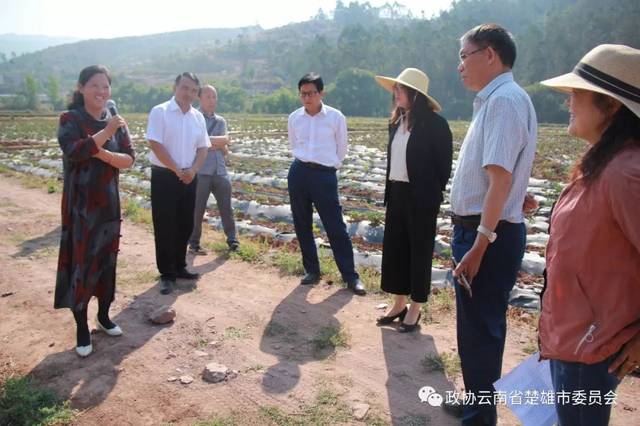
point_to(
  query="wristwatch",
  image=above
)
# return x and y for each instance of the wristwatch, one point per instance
(491, 236)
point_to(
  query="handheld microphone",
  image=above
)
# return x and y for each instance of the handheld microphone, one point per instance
(111, 106)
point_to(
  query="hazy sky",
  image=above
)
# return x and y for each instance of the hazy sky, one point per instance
(117, 18)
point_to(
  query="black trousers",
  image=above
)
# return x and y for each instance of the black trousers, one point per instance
(407, 248)
(172, 205)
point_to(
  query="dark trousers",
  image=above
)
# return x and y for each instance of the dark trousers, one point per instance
(309, 187)
(407, 249)
(589, 379)
(172, 204)
(481, 320)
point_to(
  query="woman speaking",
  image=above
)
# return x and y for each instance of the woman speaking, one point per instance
(95, 145)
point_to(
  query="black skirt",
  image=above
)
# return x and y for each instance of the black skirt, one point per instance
(409, 236)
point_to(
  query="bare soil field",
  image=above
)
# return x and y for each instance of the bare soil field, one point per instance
(300, 355)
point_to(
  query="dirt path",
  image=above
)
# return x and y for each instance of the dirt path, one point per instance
(248, 318)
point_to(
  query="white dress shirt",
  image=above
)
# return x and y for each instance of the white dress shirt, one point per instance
(320, 138)
(398, 168)
(180, 133)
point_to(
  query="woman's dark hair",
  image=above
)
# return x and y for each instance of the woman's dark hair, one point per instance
(623, 131)
(420, 107)
(77, 100)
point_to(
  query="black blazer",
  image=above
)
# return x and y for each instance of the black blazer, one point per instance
(429, 155)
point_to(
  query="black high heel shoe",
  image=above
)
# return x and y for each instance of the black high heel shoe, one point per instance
(407, 328)
(384, 320)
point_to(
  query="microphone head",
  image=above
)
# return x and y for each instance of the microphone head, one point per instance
(111, 106)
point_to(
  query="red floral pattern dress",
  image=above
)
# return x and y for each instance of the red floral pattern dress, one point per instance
(90, 212)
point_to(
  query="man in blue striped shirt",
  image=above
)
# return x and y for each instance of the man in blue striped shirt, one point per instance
(487, 196)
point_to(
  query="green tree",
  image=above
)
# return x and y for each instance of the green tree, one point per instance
(31, 93)
(282, 101)
(53, 92)
(231, 99)
(548, 103)
(320, 56)
(357, 93)
(132, 97)
(320, 15)
(355, 47)
(355, 13)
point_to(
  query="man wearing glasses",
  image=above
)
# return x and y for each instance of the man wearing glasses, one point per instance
(318, 141)
(487, 197)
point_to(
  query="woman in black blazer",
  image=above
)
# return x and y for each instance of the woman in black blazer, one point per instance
(418, 167)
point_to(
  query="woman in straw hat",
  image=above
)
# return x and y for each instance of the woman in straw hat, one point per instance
(590, 323)
(418, 168)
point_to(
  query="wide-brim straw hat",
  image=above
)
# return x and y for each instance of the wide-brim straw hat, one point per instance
(410, 77)
(610, 69)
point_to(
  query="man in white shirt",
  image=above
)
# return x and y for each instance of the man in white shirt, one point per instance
(318, 141)
(487, 196)
(179, 142)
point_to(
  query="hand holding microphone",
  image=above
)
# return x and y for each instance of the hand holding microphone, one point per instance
(115, 123)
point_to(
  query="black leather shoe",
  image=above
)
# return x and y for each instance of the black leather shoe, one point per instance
(310, 278)
(233, 245)
(183, 273)
(407, 328)
(452, 408)
(166, 286)
(357, 287)
(386, 320)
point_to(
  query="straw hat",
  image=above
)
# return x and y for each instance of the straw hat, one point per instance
(610, 69)
(410, 77)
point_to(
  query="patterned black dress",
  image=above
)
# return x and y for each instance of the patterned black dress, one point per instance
(90, 212)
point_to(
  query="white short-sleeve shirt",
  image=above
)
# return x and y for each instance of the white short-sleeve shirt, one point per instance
(180, 133)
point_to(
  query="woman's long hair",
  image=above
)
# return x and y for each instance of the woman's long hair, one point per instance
(420, 108)
(623, 131)
(77, 100)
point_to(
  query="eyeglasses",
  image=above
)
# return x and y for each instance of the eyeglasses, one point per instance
(464, 56)
(308, 94)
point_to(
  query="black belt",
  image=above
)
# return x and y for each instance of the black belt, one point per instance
(467, 222)
(316, 166)
(160, 168)
(470, 222)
